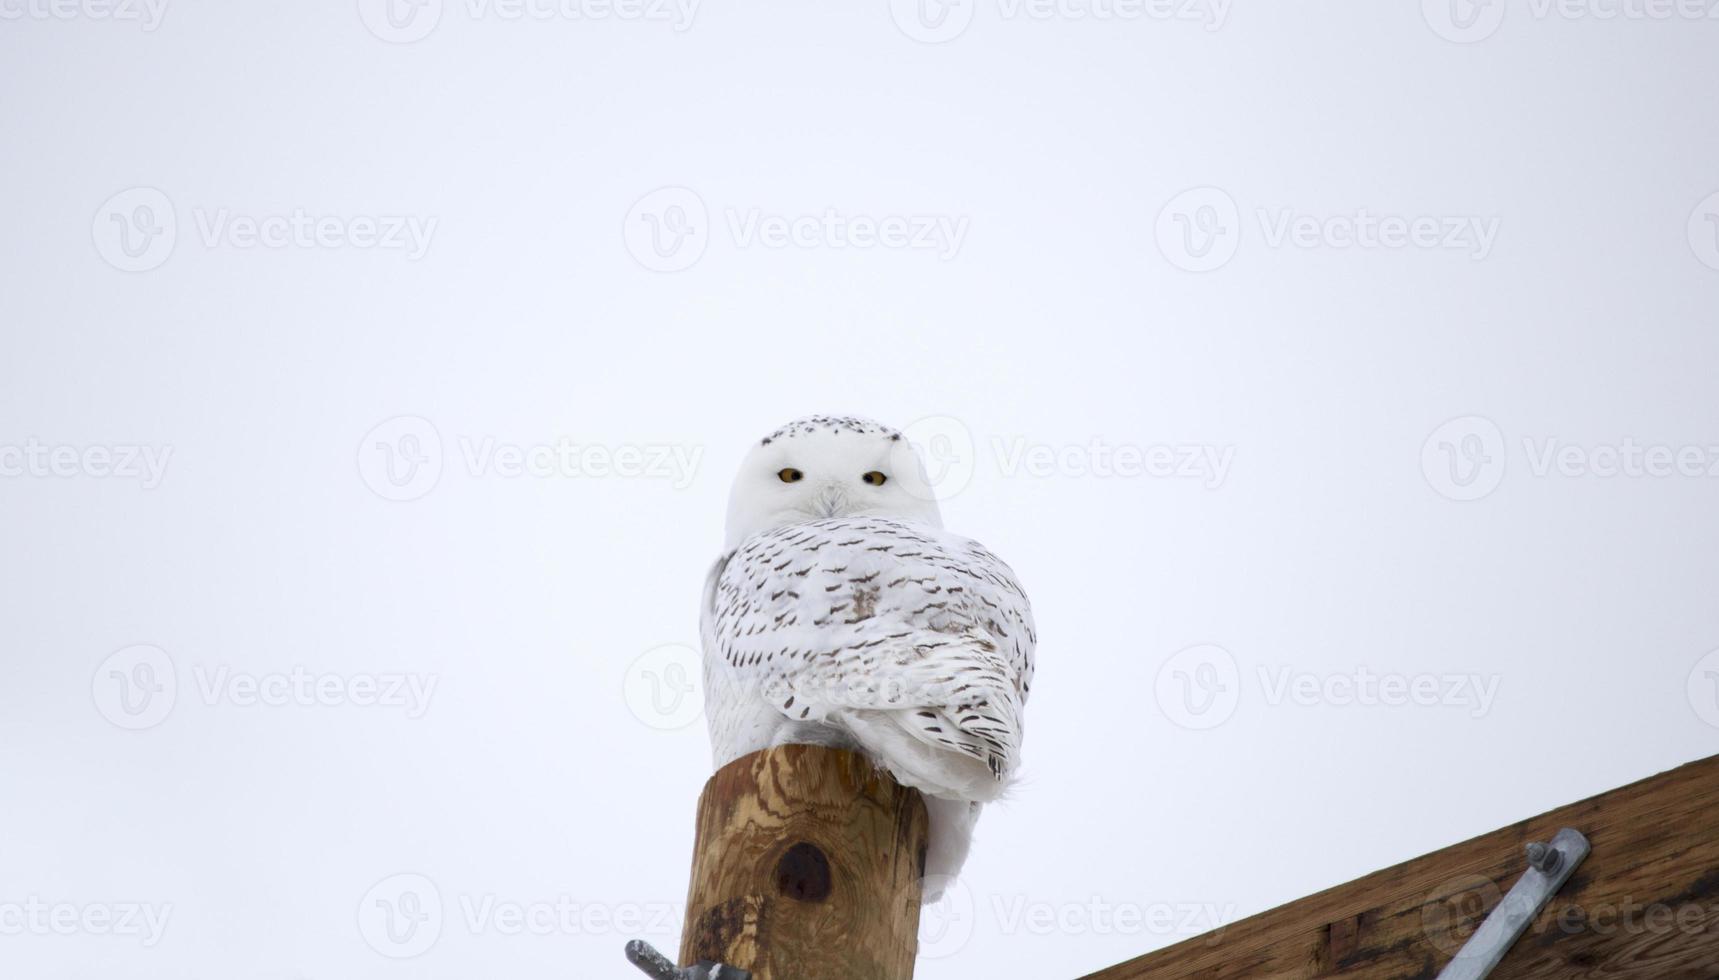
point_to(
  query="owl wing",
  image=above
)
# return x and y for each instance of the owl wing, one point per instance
(885, 628)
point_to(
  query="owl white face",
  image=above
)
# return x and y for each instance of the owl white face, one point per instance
(826, 466)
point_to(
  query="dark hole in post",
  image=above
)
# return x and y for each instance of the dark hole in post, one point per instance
(803, 873)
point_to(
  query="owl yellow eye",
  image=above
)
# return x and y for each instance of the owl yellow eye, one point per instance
(788, 474)
(875, 478)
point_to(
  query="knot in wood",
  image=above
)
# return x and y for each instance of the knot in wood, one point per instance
(803, 873)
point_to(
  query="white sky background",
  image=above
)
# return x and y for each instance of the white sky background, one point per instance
(1063, 319)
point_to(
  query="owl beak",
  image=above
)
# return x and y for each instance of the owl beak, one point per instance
(830, 501)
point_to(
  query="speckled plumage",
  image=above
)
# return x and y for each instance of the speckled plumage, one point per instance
(845, 615)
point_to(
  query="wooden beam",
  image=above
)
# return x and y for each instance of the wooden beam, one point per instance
(807, 865)
(1645, 904)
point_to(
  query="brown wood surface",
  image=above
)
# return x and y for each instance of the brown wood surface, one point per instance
(806, 866)
(1645, 903)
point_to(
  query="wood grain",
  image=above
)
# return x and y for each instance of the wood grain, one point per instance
(806, 866)
(1645, 903)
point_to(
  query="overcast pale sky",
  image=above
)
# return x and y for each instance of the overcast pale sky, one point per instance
(1338, 378)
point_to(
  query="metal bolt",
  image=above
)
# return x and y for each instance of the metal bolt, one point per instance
(1544, 859)
(659, 967)
(654, 964)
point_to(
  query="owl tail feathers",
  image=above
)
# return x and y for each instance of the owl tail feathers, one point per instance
(972, 771)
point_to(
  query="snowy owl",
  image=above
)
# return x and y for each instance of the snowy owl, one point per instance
(841, 613)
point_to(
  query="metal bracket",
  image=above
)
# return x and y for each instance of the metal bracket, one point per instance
(1549, 866)
(659, 967)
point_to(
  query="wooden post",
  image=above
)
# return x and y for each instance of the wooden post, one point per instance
(807, 866)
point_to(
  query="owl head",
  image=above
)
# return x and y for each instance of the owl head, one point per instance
(828, 466)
